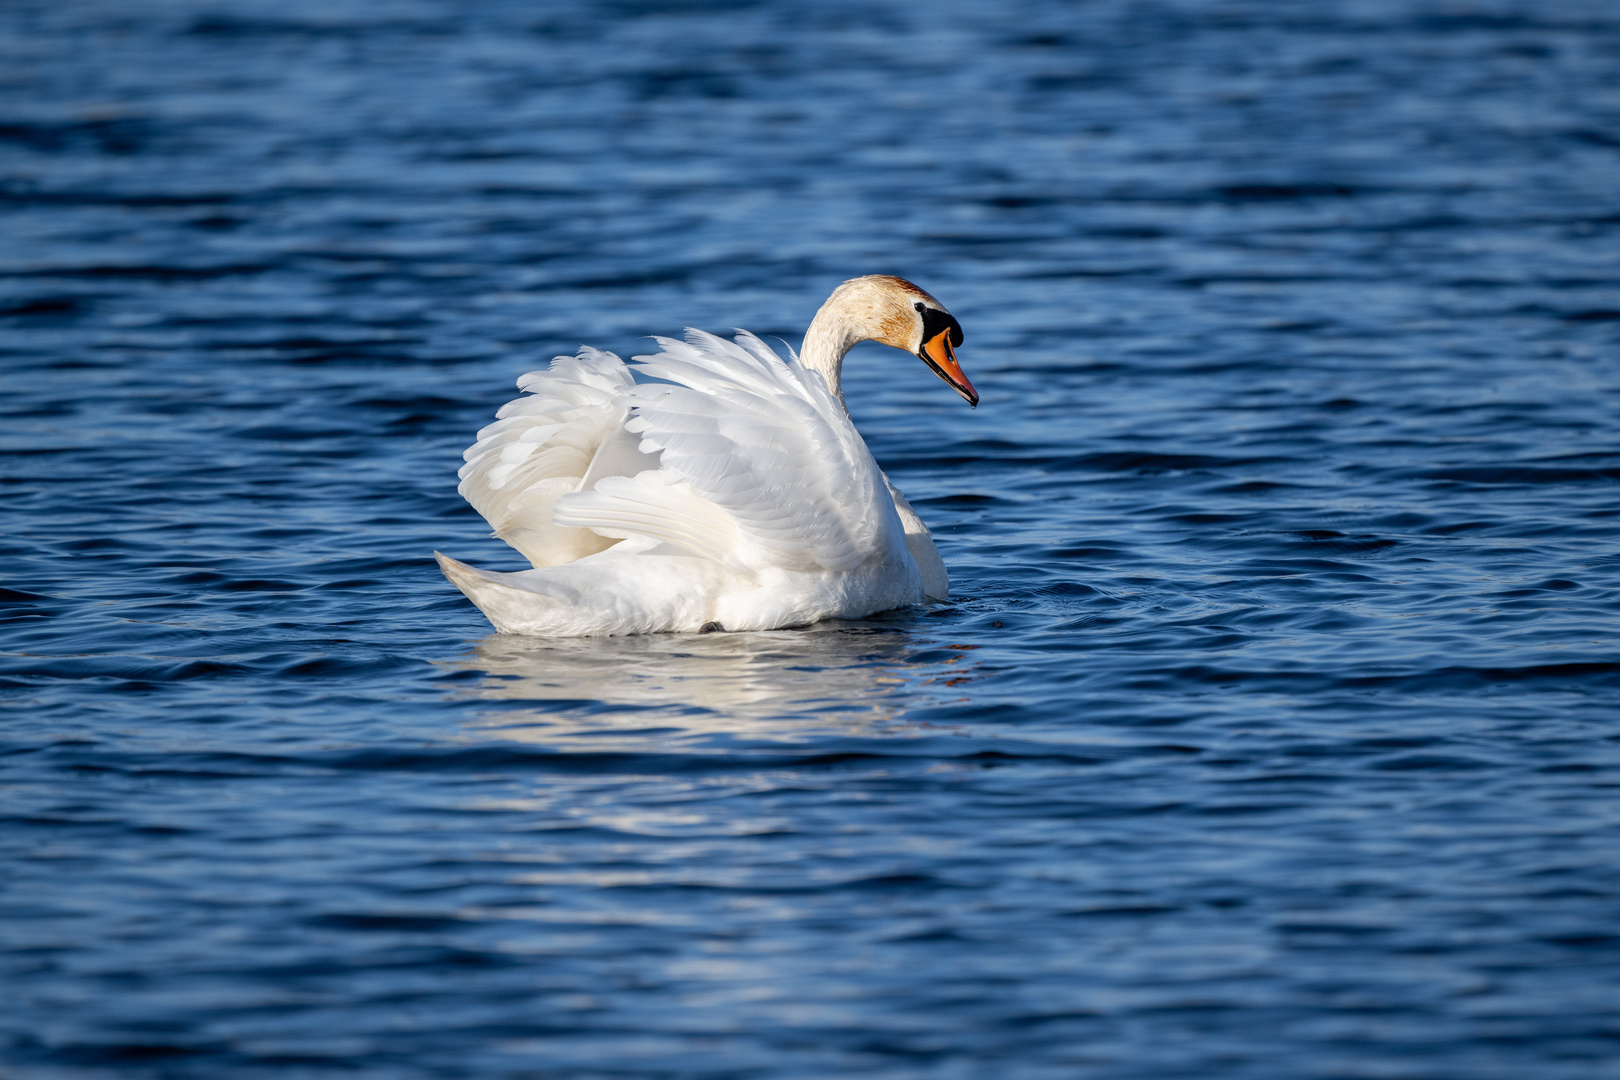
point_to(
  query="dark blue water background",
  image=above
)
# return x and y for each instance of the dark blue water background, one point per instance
(1272, 728)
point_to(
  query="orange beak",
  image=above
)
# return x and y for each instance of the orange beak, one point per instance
(937, 354)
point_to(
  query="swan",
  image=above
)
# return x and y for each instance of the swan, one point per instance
(734, 494)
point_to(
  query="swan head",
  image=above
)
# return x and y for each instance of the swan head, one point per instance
(890, 311)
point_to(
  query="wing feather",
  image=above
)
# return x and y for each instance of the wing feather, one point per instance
(760, 465)
(542, 445)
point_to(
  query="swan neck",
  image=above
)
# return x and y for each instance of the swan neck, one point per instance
(827, 342)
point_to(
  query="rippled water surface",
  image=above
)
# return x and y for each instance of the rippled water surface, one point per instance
(1271, 730)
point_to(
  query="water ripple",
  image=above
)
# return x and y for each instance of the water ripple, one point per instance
(1269, 728)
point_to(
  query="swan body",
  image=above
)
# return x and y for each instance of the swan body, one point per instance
(734, 494)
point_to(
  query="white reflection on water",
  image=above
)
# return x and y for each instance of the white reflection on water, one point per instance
(855, 679)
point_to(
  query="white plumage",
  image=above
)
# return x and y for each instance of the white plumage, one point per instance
(735, 493)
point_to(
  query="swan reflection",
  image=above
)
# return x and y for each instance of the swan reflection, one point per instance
(856, 677)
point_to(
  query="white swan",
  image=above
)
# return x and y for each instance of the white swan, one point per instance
(734, 495)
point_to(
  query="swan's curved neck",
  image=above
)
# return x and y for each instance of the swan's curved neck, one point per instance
(830, 337)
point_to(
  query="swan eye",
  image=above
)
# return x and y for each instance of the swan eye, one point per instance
(936, 322)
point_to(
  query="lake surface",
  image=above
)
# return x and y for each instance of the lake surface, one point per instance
(1272, 729)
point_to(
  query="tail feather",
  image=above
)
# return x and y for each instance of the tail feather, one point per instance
(510, 606)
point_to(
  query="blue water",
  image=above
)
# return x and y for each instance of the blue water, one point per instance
(1273, 728)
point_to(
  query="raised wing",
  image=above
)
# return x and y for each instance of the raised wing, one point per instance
(568, 430)
(760, 467)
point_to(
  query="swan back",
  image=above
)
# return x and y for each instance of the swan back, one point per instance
(760, 466)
